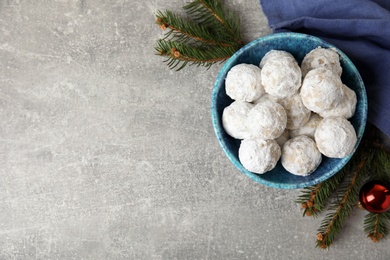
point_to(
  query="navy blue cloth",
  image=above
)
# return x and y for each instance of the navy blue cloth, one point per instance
(360, 28)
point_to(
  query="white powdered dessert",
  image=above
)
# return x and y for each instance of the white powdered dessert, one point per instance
(243, 82)
(234, 119)
(266, 96)
(335, 137)
(281, 77)
(300, 155)
(347, 106)
(275, 55)
(321, 90)
(259, 156)
(267, 120)
(321, 57)
(283, 138)
(297, 113)
(277, 115)
(309, 128)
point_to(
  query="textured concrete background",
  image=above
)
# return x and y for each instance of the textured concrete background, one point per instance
(107, 154)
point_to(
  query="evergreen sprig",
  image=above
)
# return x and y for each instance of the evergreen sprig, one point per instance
(314, 198)
(181, 54)
(209, 35)
(186, 31)
(213, 14)
(370, 162)
(376, 225)
(342, 207)
(381, 163)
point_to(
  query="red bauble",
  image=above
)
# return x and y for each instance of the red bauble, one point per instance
(375, 196)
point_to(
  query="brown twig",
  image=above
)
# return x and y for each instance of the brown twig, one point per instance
(309, 205)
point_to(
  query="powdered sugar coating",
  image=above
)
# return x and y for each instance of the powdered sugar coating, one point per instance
(281, 77)
(243, 82)
(335, 137)
(267, 120)
(275, 55)
(321, 57)
(282, 139)
(264, 97)
(309, 128)
(321, 90)
(300, 156)
(346, 108)
(259, 156)
(234, 119)
(297, 113)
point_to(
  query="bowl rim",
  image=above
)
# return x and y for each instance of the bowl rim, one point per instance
(218, 127)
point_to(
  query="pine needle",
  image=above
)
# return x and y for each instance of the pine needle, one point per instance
(182, 54)
(314, 198)
(212, 35)
(184, 30)
(212, 13)
(381, 163)
(376, 225)
(347, 192)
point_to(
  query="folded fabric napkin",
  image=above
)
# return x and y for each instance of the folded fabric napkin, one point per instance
(359, 28)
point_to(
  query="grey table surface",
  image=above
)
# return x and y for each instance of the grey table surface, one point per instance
(105, 153)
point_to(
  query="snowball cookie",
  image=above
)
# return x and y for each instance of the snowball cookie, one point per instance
(274, 55)
(300, 155)
(259, 156)
(309, 128)
(266, 96)
(243, 82)
(234, 119)
(282, 77)
(335, 137)
(282, 139)
(321, 57)
(346, 108)
(297, 113)
(321, 89)
(267, 120)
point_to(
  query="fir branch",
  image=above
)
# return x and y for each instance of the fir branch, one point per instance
(182, 54)
(184, 30)
(376, 225)
(380, 163)
(314, 198)
(211, 37)
(212, 13)
(333, 222)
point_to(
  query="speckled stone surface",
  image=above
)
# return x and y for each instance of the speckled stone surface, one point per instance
(107, 154)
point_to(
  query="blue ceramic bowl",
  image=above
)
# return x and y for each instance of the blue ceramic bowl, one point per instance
(298, 45)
